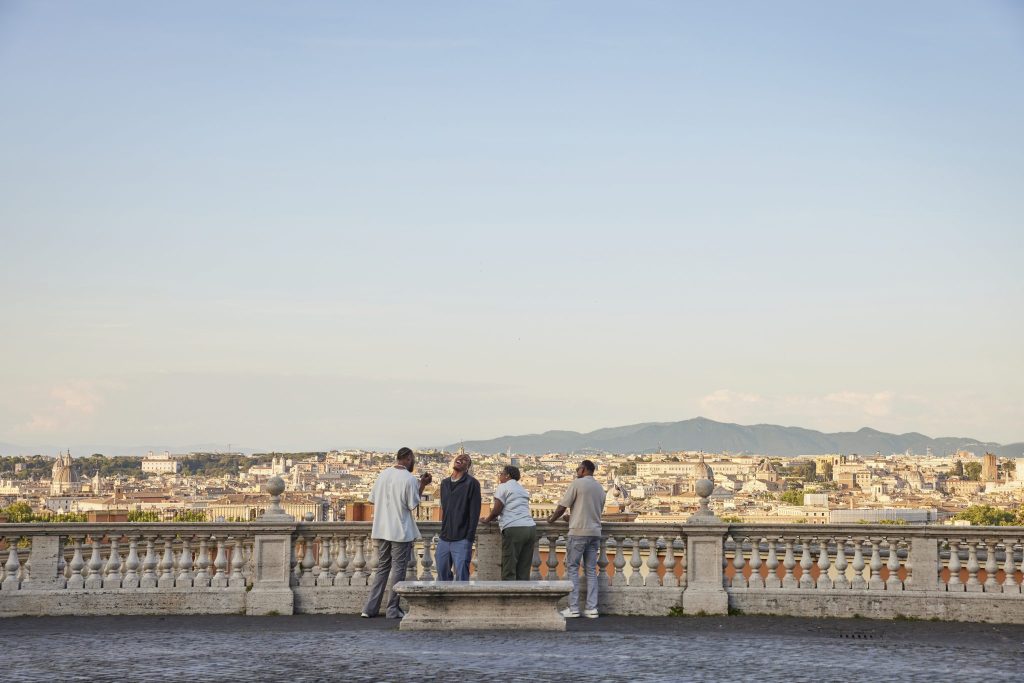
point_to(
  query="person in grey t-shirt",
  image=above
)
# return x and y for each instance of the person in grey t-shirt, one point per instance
(585, 498)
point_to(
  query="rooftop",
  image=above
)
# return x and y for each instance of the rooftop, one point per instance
(341, 647)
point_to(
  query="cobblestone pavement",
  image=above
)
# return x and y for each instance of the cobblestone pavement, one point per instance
(343, 648)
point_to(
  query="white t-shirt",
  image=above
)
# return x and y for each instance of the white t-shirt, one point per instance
(395, 494)
(516, 500)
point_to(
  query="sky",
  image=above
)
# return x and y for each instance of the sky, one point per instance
(319, 225)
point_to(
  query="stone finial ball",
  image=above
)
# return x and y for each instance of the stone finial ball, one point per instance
(275, 486)
(704, 487)
(308, 517)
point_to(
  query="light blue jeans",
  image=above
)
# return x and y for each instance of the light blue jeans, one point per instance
(453, 555)
(583, 548)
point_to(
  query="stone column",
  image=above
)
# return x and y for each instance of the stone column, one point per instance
(704, 589)
(44, 561)
(705, 550)
(488, 553)
(271, 592)
(272, 552)
(923, 560)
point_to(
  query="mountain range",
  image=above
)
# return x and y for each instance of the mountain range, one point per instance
(702, 434)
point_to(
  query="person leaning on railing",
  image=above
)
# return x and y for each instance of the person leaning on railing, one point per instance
(511, 507)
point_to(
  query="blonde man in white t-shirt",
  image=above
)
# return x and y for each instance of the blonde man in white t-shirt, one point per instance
(511, 508)
(395, 495)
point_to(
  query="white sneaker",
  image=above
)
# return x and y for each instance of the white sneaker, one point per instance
(570, 613)
(590, 613)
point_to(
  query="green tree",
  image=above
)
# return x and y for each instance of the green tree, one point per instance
(972, 471)
(190, 516)
(626, 469)
(958, 469)
(792, 497)
(19, 513)
(986, 515)
(143, 516)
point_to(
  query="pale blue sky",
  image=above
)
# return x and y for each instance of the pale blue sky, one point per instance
(315, 225)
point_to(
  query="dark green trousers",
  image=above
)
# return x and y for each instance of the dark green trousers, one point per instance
(517, 552)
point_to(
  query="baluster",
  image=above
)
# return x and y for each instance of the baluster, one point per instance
(77, 581)
(295, 566)
(185, 576)
(335, 567)
(619, 579)
(858, 565)
(738, 563)
(307, 578)
(427, 561)
(358, 563)
(534, 571)
(12, 567)
(220, 565)
(202, 577)
(62, 566)
(349, 567)
(806, 580)
(893, 583)
(324, 578)
(237, 579)
(341, 576)
(772, 565)
(824, 563)
(95, 578)
(552, 560)
(684, 557)
(755, 581)
(634, 563)
(1009, 568)
(131, 564)
(670, 578)
(991, 567)
(602, 564)
(954, 585)
(789, 581)
(840, 581)
(149, 565)
(112, 570)
(652, 578)
(973, 585)
(875, 580)
(166, 579)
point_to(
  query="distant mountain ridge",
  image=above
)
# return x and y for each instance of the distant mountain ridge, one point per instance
(702, 434)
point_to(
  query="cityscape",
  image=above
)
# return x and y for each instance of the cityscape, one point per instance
(960, 488)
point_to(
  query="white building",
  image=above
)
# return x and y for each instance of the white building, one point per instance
(160, 464)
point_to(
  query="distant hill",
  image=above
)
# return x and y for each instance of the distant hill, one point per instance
(701, 434)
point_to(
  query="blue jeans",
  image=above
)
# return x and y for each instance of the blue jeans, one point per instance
(582, 548)
(453, 555)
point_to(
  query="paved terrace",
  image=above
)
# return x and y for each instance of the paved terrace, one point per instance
(345, 648)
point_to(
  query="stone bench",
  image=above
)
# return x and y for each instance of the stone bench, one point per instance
(475, 605)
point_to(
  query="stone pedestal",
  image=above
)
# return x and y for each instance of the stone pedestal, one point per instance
(271, 592)
(705, 591)
(43, 560)
(488, 553)
(924, 565)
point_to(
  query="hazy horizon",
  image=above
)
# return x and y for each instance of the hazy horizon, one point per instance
(288, 225)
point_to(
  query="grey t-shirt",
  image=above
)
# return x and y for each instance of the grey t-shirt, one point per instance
(585, 500)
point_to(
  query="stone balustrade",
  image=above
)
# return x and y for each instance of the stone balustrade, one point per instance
(957, 573)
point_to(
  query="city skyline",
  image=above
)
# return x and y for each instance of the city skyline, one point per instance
(350, 225)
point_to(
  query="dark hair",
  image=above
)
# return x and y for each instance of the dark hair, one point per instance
(512, 471)
(588, 465)
(403, 453)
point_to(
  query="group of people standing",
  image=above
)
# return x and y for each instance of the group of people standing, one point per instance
(396, 495)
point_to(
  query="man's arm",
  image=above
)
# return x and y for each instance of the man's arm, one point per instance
(474, 508)
(553, 517)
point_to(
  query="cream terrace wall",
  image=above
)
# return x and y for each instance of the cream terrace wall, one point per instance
(948, 573)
